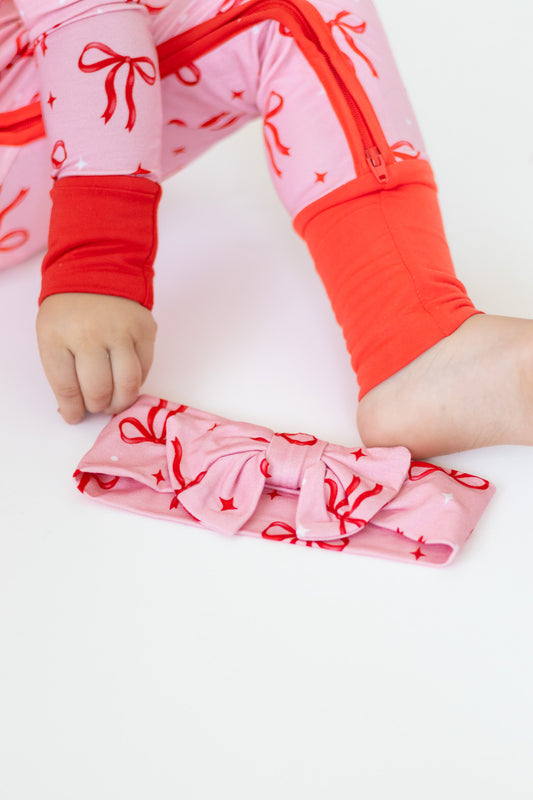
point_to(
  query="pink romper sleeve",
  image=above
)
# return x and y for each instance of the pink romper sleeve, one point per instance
(101, 102)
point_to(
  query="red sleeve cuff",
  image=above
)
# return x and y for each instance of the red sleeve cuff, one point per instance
(102, 237)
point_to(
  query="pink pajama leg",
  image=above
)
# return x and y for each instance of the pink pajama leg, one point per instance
(262, 72)
(346, 157)
(259, 72)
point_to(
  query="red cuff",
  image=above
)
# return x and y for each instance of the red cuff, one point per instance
(102, 237)
(384, 259)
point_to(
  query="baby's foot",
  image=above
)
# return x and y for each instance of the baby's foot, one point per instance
(472, 389)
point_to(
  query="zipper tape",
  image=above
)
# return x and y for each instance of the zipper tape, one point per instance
(365, 137)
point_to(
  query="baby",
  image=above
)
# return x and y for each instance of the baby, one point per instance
(130, 93)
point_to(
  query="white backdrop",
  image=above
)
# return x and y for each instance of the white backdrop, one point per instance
(140, 659)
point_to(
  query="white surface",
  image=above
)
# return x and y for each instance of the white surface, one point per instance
(145, 660)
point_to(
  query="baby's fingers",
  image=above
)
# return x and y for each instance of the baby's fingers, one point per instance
(93, 367)
(127, 378)
(60, 369)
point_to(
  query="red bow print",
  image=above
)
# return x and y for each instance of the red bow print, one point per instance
(194, 70)
(23, 51)
(344, 28)
(176, 469)
(85, 477)
(405, 156)
(115, 62)
(41, 40)
(421, 469)
(292, 538)
(212, 464)
(59, 153)
(271, 112)
(343, 509)
(13, 239)
(148, 433)
(221, 121)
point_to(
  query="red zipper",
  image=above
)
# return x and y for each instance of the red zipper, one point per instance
(373, 155)
(184, 48)
(24, 126)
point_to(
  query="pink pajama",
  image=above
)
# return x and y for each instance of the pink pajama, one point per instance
(108, 112)
(258, 72)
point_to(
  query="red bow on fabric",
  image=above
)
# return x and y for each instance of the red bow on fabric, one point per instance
(13, 239)
(116, 61)
(219, 471)
(174, 462)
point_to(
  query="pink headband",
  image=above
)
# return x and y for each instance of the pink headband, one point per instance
(174, 462)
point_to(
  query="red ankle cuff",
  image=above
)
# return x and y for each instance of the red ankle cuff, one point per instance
(386, 265)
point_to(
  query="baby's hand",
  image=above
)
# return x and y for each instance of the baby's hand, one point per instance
(96, 351)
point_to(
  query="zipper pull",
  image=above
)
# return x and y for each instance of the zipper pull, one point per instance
(376, 162)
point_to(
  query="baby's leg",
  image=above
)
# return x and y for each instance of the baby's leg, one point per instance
(349, 163)
(435, 375)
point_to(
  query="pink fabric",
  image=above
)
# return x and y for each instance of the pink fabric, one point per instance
(106, 114)
(94, 128)
(173, 462)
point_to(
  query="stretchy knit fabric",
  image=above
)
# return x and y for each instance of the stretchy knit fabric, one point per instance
(182, 464)
(100, 102)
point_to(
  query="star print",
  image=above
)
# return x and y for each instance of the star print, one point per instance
(301, 531)
(81, 163)
(141, 171)
(227, 505)
(447, 497)
(358, 454)
(401, 533)
(237, 95)
(51, 100)
(158, 476)
(418, 554)
(273, 494)
(178, 150)
(212, 428)
(320, 176)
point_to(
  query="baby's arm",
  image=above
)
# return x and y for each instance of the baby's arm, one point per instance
(101, 105)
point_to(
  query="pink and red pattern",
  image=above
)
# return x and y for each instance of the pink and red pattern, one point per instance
(174, 462)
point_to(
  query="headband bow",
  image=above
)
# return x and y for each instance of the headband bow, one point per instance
(170, 461)
(220, 471)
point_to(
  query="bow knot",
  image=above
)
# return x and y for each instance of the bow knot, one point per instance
(219, 473)
(116, 61)
(289, 456)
